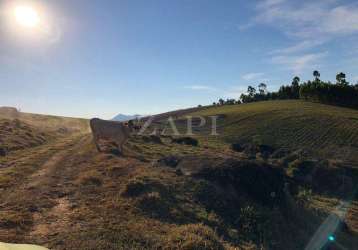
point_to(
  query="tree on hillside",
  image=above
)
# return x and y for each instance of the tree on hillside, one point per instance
(251, 91)
(285, 92)
(316, 75)
(295, 87)
(341, 79)
(262, 89)
(221, 101)
(296, 81)
(230, 102)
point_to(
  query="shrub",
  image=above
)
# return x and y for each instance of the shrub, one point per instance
(237, 147)
(186, 140)
(152, 138)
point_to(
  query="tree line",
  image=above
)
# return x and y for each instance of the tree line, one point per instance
(340, 93)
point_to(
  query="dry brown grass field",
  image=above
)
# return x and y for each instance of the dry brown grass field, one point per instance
(63, 194)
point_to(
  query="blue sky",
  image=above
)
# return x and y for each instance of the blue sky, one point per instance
(99, 58)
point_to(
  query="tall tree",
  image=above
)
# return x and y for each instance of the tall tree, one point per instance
(262, 88)
(341, 79)
(251, 91)
(295, 87)
(316, 75)
(296, 81)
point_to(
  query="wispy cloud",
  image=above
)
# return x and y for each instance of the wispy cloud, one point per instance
(299, 47)
(299, 63)
(307, 19)
(252, 76)
(309, 24)
(200, 87)
(269, 3)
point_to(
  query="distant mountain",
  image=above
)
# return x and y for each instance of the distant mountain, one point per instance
(122, 117)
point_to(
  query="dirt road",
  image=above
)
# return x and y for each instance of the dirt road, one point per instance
(39, 207)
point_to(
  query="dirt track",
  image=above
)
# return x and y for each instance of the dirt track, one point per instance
(44, 193)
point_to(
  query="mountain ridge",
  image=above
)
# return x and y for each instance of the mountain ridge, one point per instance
(123, 117)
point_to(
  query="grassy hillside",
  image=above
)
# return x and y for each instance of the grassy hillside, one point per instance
(24, 130)
(16, 135)
(166, 195)
(325, 131)
(46, 123)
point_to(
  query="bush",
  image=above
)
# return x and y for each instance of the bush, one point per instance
(237, 147)
(153, 139)
(186, 140)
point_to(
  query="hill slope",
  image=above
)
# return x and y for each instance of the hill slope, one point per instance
(165, 195)
(325, 131)
(23, 130)
(47, 123)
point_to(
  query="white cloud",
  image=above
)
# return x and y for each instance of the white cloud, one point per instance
(310, 24)
(269, 3)
(307, 19)
(200, 87)
(301, 46)
(252, 76)
(299, 63)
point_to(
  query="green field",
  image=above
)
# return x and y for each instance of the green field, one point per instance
(325, 131)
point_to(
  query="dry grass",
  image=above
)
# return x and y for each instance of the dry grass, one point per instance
(16, 135)
(48, 123)
(66, 195)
